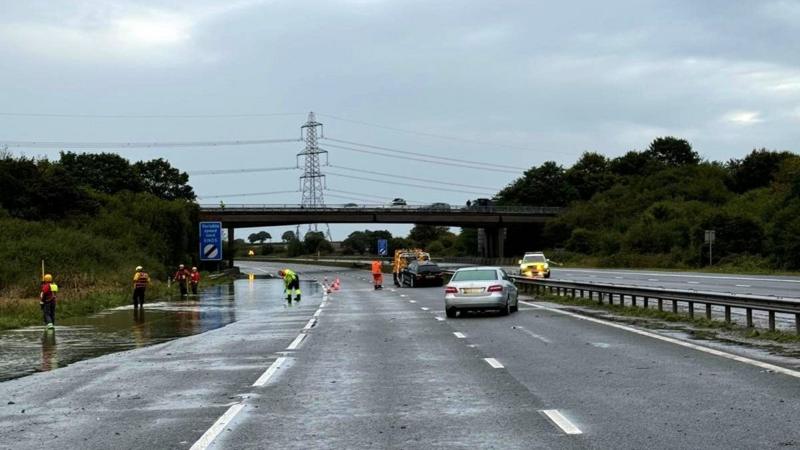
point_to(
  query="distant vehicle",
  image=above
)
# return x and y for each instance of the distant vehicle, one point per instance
(398, 202)
(418, 273)
(439, 207)
(481, 203)
(350, 205)
(480, 288)
(534, 264)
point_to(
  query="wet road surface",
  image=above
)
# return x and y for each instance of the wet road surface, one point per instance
(386, 369)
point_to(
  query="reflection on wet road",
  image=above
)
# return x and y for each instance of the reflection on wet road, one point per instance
(28, 350)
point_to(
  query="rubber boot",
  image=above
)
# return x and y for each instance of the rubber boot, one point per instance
(297, 299)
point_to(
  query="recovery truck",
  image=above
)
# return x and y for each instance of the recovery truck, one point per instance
(401, 259)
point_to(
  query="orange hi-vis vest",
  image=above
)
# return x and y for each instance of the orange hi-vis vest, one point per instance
(141, 279)
(376, 267)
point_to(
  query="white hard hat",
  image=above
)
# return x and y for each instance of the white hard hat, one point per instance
(138, 268)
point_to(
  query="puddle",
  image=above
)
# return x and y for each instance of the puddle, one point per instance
(28, 350)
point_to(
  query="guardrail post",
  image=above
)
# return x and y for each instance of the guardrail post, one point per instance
(600, 298)
(749, 314)
(771, 320)
(674, 306)
(646, 302)
(633, 300)
(573, 292)
(581, 293)
(727, 314)
(550, 288)
(610, 298)
(797, 323)
(660, 304)
(691, 309)
(708, 311)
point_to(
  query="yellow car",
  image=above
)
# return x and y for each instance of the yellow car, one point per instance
(534, 265)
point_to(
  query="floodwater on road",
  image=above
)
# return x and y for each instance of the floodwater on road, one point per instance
(27, 350)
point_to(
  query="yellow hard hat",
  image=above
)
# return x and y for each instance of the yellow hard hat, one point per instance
(48, 278)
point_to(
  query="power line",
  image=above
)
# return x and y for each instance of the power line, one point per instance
(423, 133)
(108, 145)
(249, 194)
(145, 116)
(399, 183)
(380, 198)
(424, 155)
(237, 171)
(406, 177)
(431, 161)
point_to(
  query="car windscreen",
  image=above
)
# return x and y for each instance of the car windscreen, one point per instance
(422, 268)
(534, 259)
(475, 275)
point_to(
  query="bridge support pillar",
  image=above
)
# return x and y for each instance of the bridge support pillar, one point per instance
(491, 242)
(231, 249)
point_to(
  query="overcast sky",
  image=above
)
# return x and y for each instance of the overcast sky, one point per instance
(516, 82)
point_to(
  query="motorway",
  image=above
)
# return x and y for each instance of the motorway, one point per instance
(385, 369)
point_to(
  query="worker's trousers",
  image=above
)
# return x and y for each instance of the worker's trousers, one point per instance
(49, 312)
(293, 288)
(138, 296)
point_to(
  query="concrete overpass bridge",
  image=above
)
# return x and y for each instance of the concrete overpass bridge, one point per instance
(491, 221)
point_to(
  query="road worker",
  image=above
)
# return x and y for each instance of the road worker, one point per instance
(194, 280)
(377, 274)
(291, 283)
(47, 301)
(140, 281)
(182, 278)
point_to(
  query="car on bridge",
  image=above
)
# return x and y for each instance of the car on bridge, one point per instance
(439, 206)
(419, 273)
(399, 202)
(480, 288)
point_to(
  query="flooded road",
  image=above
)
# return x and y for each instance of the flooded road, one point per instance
(28, 350)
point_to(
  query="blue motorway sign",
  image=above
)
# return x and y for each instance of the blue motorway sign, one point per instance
(383, 247)
(210, 241)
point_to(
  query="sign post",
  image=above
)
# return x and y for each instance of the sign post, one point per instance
(711, 236)
(210, 241)
(383, 247)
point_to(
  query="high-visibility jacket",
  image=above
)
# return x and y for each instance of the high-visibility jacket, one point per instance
(141, 279)
(48, 293)
(288, 276)
(376, 267)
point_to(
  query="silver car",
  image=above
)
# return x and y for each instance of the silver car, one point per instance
(473, 288)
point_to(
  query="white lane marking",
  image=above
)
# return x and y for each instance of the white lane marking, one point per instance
(618, 278)
(532, 334)
(317, 313)
(742, 285)
(713, 277)
(310, 324)
(494, 363)
(700, 348)
(424, 308)
(296, 341)
(561, 422)
(262, 380)
(208, 437)
(652, 279)
(693, 282)
(403, 295)
(412, 301)
(439, 318)
(459, 335)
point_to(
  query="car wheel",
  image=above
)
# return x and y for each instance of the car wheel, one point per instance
(506, 310)
(451, 312)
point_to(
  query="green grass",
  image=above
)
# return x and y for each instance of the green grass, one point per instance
(701, 327)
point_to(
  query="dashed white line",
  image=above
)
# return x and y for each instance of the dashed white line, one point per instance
(494, 363)
(561, 422)
(459, 335)
(652, 279)
(742, 285)
(618, 278)
(208, 437)
(700, 348)
(424, 308)
(296, 342)
(317, 313)
(693, 282)
(439, 318)
(262, 380)
(412, 301)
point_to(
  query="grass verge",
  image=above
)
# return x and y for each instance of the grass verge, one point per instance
(700, 326)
